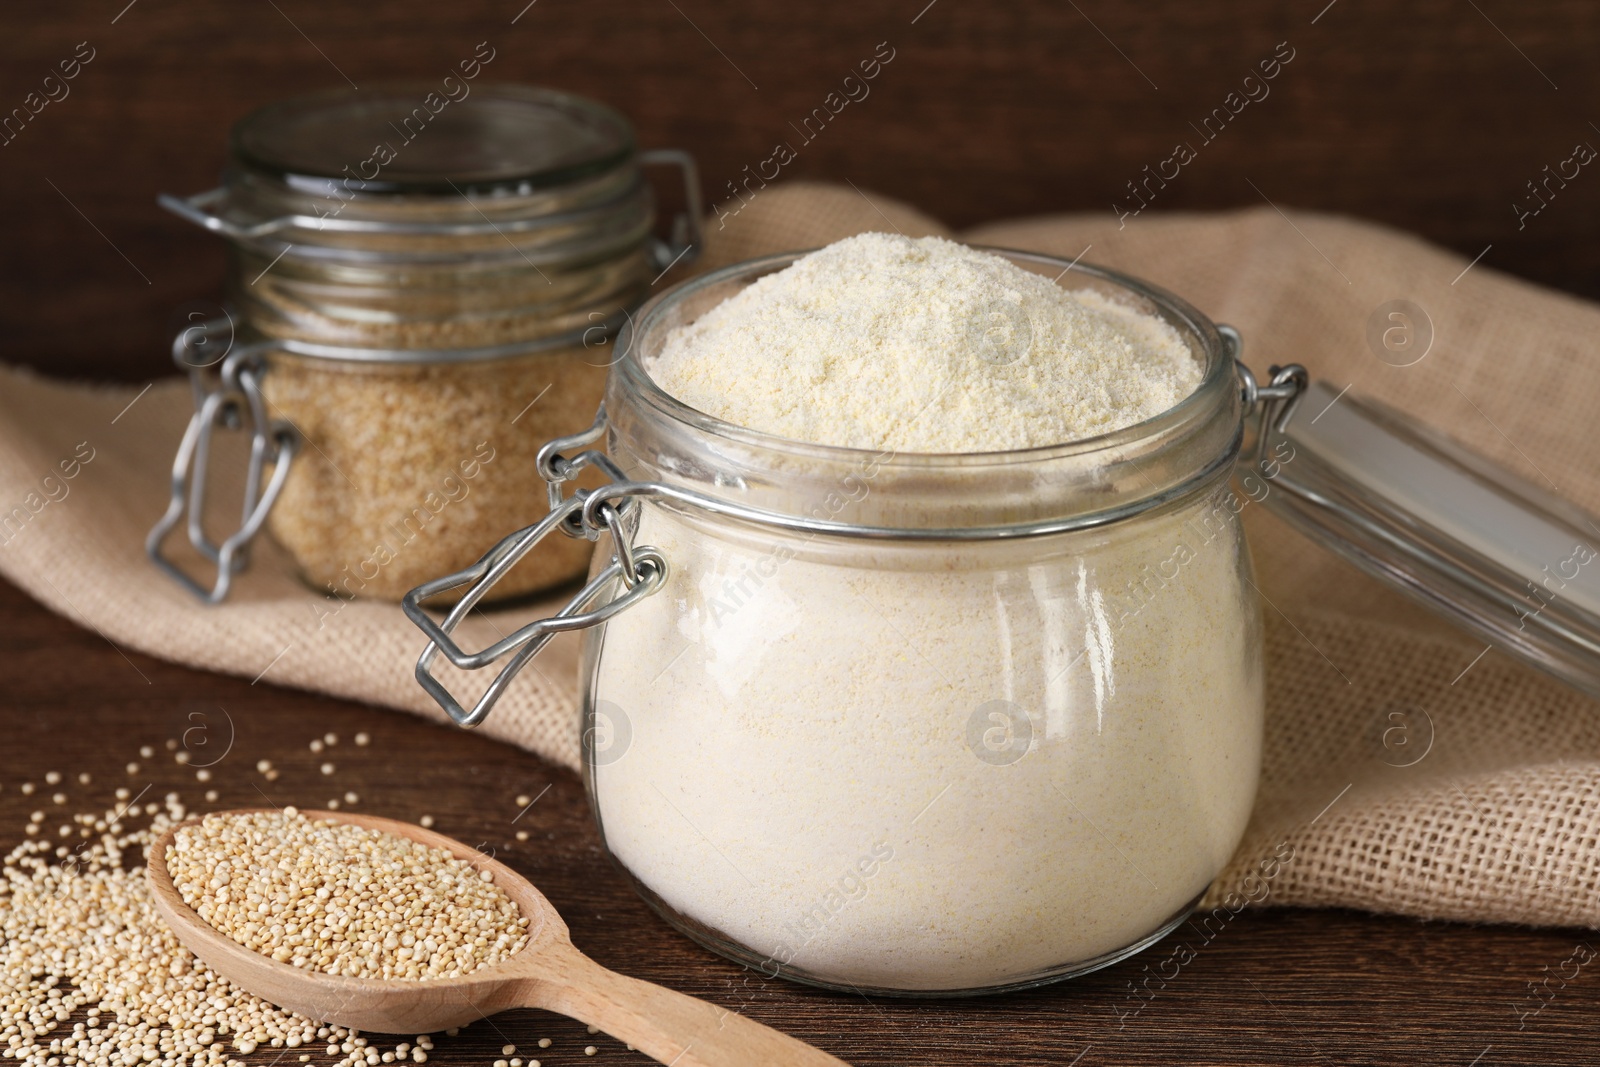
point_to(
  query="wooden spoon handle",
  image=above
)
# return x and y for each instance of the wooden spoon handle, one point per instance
(669, 1027)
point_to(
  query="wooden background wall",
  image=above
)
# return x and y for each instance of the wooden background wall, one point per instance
(1431, 115)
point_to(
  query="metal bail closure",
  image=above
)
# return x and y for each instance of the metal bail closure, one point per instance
(641, 569)
(686, 236)
(1498, 555)
(232, 399)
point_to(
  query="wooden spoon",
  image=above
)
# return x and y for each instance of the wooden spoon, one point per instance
(547, 973)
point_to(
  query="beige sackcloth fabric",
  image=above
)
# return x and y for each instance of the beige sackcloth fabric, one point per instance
(1498, 821)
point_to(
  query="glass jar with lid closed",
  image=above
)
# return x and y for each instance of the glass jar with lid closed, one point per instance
(912, 723)
(422, 287)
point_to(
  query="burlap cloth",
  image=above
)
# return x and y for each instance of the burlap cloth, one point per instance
(1499, 820)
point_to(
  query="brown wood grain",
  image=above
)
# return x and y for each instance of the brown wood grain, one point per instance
(1275, 987)
(1429, 115)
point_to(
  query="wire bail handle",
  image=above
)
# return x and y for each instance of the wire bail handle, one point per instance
(1277, 399)
(687, 239)
(228, 396)
(639, 569)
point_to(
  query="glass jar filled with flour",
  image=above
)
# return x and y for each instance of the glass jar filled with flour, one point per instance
(423, 280)
(915, 712)
(927, 657)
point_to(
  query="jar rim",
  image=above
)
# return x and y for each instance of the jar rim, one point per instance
(1218, 377)
(695, 458)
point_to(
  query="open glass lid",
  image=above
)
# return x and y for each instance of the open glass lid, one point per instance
(1491, 551)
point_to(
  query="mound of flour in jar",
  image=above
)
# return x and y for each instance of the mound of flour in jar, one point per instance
(924, 345)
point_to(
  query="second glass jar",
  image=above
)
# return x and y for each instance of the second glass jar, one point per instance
(420, 316)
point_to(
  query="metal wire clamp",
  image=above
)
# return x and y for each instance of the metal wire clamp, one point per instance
(640, 568)
(228, 397)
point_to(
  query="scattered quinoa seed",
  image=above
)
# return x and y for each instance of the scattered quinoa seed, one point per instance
(52, 778)
(363, 738)
(80, 939)
(426, 822)
(328, 768)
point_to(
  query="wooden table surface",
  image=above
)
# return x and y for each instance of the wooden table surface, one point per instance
(1275, 987)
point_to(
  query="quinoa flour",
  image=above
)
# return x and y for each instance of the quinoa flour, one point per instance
(924, 345)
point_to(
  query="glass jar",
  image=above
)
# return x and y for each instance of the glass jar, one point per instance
(923, 723)
(421, 291)
(941, 724)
